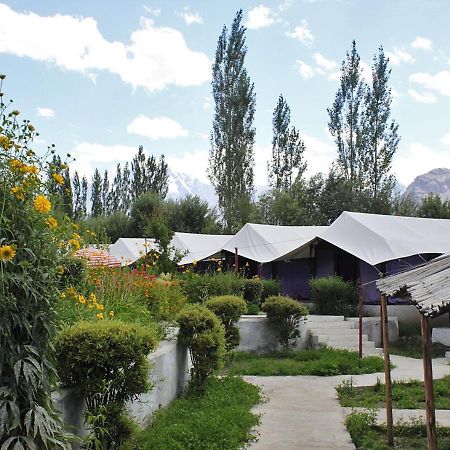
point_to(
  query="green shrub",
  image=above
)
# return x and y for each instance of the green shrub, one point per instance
(165, 299)
(203, 334)
(285, 315)
(74, 271)
(228, 308)
(334, 296)
(252, 291)
(106, 362)
(270, 288)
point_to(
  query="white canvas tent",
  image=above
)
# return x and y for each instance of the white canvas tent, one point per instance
(195, 247)
(267, 243)
(377, 238)
(129, 250)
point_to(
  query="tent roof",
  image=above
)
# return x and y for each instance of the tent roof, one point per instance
(196, 247)
(129, 250)
(266, 243)
(427, 285)
(377, 238)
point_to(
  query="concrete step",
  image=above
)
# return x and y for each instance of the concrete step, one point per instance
(333, 330)
(330, 326)
(335, 338)
(348, 345)
(372, 351)
(313, 318)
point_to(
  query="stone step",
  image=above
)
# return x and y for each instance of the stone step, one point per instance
(314, 318)
(330, 325)
(348, 345)
(336, 338)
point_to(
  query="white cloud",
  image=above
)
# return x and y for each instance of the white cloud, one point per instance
(304, 70)
(445, 139)
(324, 63)
(152, 11)
(422, 97)
(417, 159)
(422, 43)
(366, 72)
(207, 102)
(260, 17)
(89, 152)
(154, 58)
(439, 82)
(45, 112)
(319, 154)
(194, 164)
(190, 17)
(399, 55)
(302, 33)
(156, 128)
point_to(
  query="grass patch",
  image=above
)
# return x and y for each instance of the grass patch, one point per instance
(322, 362)
(410, 395)
(220, 418)
(367, 435)
(411, 346)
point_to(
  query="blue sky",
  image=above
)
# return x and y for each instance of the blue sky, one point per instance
(100, 78)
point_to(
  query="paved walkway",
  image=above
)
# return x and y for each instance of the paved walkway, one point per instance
(303, 412)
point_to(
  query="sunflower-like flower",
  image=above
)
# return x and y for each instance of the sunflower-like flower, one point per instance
(58, 178)
(52, 223)
(7, 252)
(42, 204)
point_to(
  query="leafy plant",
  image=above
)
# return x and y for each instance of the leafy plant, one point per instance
(228, 308)
(333, 296)
(252, 291)
(270, 288)
(106, 362)
(203, 334)
(285, 315)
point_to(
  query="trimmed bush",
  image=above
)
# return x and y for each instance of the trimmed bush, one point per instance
(333, 296)
(252, 291)
(106, 362)
(203, 334)
(285, 315)
(270, 288)
(165, 299)
(228, 308)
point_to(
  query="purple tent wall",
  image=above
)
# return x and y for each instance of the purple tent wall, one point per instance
(369, 274)
(293, 277)
(324, 262)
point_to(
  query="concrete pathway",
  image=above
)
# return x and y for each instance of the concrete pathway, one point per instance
(303, 412)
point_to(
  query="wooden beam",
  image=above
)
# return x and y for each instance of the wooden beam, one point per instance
(428, 384)
(387, 371)
(236, 261)
(361, 311)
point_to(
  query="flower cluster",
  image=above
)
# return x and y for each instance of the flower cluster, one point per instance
(90, 301)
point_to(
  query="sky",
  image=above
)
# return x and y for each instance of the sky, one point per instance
(100, 78)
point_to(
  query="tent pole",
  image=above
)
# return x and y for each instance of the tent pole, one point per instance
(361, 309)
(236, 261)
(428, 383)
(387, 371)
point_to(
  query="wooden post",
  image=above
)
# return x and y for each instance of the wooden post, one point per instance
(428, 384)
(361, 310)
(387, 371)
(236, 261)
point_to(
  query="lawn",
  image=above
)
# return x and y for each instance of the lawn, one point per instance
(220, 418)
(411, 346)
(322, 362)
(408, 395)
(407, 436)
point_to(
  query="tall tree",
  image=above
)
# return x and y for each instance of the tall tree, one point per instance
(96, 195)
(346, 120)
(125, 188)
(138, 174)
(287, 149)
(232, 137)
(67, 194)
(84, 193)
(115, 190)
(77, 206)
(380, 132)
(106, 196)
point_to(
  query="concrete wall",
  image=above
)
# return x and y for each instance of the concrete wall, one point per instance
(371, 326)
(169, 375)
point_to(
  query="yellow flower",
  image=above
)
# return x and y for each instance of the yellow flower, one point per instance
(82, 299)
(111, 314)
(52, 223)
(42, 204)
(99, 316)
(32, 169)
(31, 127)
(194, 263)
(93, 298)
(58, 178)
(18, 192)
(64, 166)
(60, 270)
(219, 269)
(75, 244)
(62, 295)
(100, 307)
(7, 253)
(5, 142)
(153, 263)
(16, 164)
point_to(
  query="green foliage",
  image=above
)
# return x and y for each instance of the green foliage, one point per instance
(145, 208)
(252, 291)
(321, 362)
(74, 271)
(333, 296)
(96, 195)
(270, 288)
(165, 299)
(203, 334)
(411, 347)
(219, 419)
(285, 315)
(228, 308)
(106, 362)
(432, 206)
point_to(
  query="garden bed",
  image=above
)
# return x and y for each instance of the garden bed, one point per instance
(410, 395)
(367, 435)
(411, 346)
(322, 362)
(220, 418)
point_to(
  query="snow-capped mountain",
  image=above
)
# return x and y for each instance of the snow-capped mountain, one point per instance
(181, 184)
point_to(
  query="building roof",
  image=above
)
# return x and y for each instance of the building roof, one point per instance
(427, 285)
(129, 250)
(195, 247)
(266, 243)
(97, 258)
(378, 238)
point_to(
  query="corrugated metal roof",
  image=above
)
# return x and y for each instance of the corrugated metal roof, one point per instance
(97, 258)
(427, 285)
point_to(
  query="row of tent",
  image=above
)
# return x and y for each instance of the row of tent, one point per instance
(357, 246)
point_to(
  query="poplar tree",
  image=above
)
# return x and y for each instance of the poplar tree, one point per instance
(287, 149)
(231, 156)
(96, 195)
(116, 195)
(346, 120)
(125, 188)
(106, 198)
(77, 204)
(84, 193)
